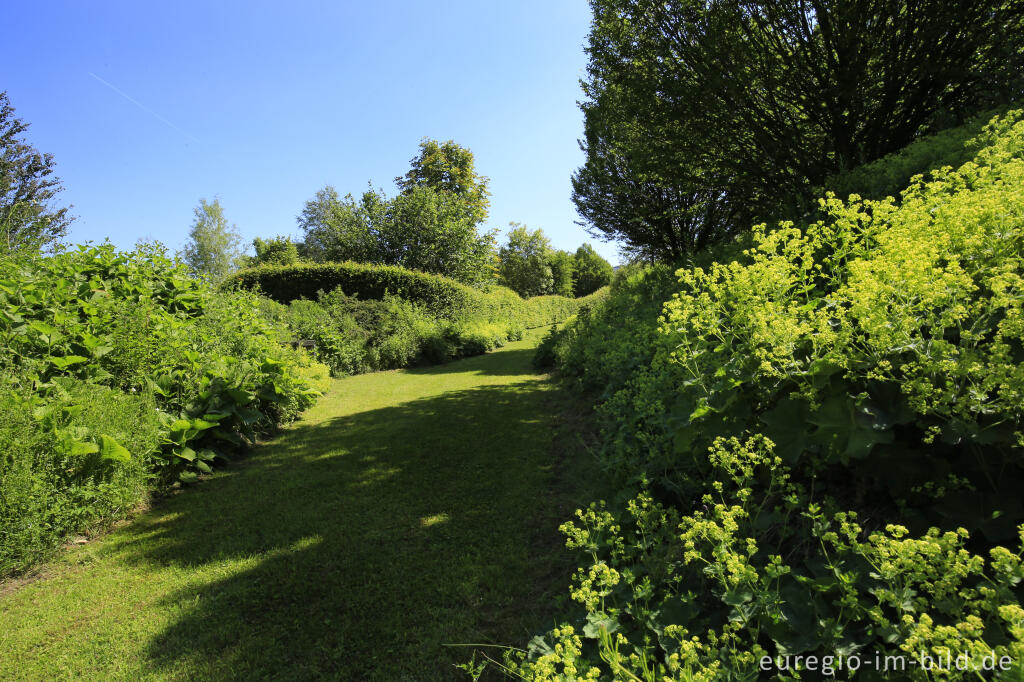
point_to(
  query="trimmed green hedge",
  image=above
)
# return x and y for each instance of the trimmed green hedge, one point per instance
(285, 283)
(443, 297)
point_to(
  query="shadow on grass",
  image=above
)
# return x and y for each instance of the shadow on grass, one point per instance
(358, 547)
(509, 362)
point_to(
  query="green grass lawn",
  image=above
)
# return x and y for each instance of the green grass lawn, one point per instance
(408, 510)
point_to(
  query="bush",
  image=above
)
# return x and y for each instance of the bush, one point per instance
(352, 336)
(761, 574)
(339, 341)
(889, 175)
(395, 318)
(63, 462)
(441, 296)
(614, 334)
(821, 439)
(544, 310)
(132, 373)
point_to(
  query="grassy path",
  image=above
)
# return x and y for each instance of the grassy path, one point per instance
(408, 510)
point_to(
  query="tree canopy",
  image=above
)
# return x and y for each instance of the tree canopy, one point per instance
(431, 225)
(703, 116)
(213, 247)
(274, 251)
(562, 265)
(449, 169)
(29, 218)
(523, 262)
(590, 271)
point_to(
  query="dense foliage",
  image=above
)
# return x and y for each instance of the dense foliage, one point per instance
(448, 169)
(363, 318)
(213, 249)
(352, 336)
(590, 271)
(822, 437)
(274, 251)
(529, 265)
(120, 372)
(890, 175)
(29, 218)
(561, 264)
(702, 117)
(432, 225)
(440, 295)
(524, 263)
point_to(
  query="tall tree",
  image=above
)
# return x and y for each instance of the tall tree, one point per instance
(274, 251)
(29, 218)
(213, 247)
(433, 224)
(449, 169)
(421, 229)
(590, 272)
(426, 229)
(561, 264)
(523, 262)
(702, 116)
(339, 229)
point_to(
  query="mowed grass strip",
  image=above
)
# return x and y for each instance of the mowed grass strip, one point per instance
(407, 511)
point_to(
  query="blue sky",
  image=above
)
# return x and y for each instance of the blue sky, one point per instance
(147, 106)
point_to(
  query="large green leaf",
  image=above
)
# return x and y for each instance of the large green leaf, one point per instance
(850, 429)
(63, 362)
(248, 415)
(598, 622)
(111, 449)
(79, 448)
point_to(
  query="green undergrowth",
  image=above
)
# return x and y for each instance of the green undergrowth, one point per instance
(407, 520)
(120, 374)
(439, 296)
(818, 444)
(362, 318)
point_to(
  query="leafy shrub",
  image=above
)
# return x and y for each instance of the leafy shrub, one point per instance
(394, 317)
(889, 175)
(544, 357)
(856, 340)
(544, 310)
(614, 333)
(72, 456)
(401, 332)
(353, 335)
(187, 374)
(480, 337)
(826, 433)
(339, 341)
(441, 296)
(761, 572)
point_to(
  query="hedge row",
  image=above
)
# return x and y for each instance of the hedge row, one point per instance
(441, 296)
(285, 283)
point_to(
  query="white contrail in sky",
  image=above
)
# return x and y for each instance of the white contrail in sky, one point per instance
(142, 106)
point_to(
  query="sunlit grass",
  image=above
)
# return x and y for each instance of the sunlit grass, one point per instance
(408, 510)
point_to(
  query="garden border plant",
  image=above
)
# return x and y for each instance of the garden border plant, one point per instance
(821, 439)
